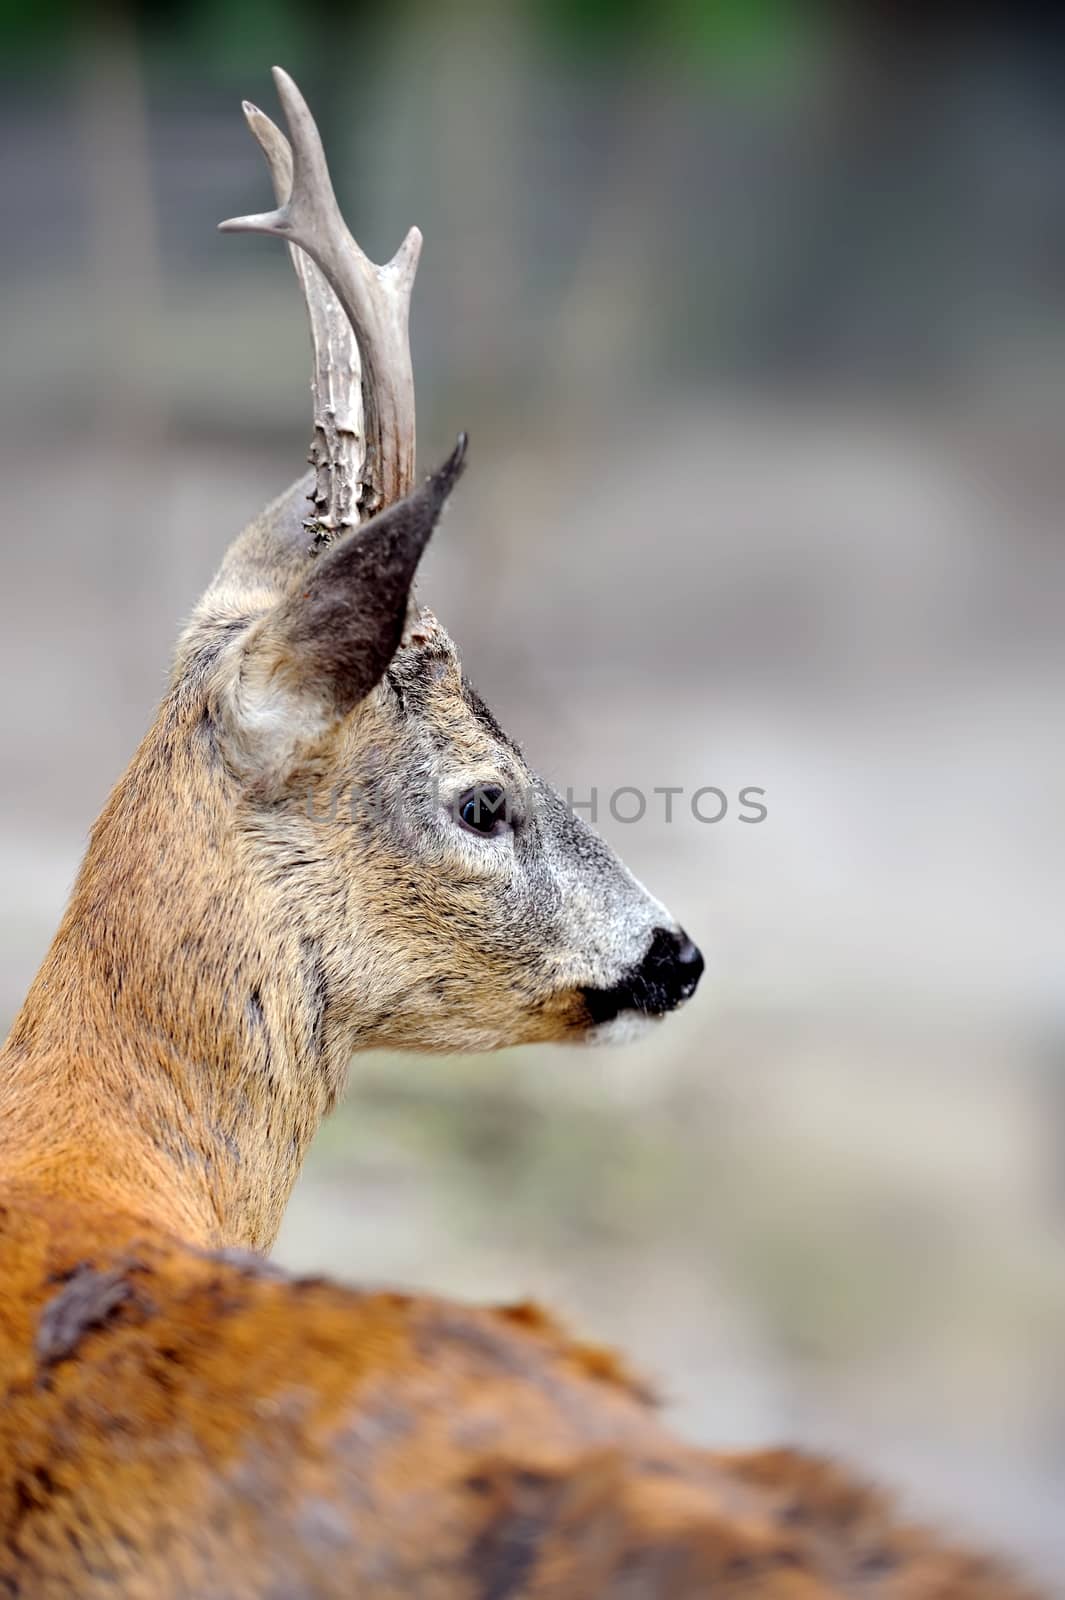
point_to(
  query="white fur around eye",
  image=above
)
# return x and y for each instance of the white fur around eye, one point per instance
(477, 855)
(462, 793)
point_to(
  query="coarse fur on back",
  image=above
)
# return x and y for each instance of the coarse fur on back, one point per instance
(184, 1424)
(326, 843)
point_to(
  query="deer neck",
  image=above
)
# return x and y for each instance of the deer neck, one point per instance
(175, 1054)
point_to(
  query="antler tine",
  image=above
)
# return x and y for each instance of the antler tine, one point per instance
(338, 448)
(376, 300)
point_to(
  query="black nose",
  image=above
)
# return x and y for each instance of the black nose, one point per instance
(669, 973)
(690, 965)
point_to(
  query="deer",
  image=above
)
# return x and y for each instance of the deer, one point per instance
(180, 1417)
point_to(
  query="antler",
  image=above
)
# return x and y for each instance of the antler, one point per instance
(338, 448)
(363, 449)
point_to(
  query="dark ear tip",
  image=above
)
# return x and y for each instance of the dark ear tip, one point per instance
(444, 478)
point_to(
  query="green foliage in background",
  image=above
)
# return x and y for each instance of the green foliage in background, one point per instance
(721, 33)
(215, 36)
(229, 36)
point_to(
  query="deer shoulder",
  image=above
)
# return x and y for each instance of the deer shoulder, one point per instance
(184, 1421)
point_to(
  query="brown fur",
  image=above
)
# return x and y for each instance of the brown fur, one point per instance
(180, 1419)
(179, 1422)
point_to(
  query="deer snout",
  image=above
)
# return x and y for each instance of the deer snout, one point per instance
(668, 973)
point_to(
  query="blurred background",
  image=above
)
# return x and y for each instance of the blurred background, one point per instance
(753, 310)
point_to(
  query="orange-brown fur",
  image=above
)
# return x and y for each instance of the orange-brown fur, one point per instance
(179, 1422)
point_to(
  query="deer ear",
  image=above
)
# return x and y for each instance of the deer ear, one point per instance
(325, 646)
(342, 627)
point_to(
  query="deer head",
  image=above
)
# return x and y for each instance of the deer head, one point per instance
(326, 842)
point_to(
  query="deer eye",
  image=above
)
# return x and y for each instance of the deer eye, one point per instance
(483, 810)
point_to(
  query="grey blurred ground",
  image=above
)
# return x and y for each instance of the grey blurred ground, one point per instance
(826, 1204)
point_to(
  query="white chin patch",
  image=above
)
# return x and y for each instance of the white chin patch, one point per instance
(625, 1028)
